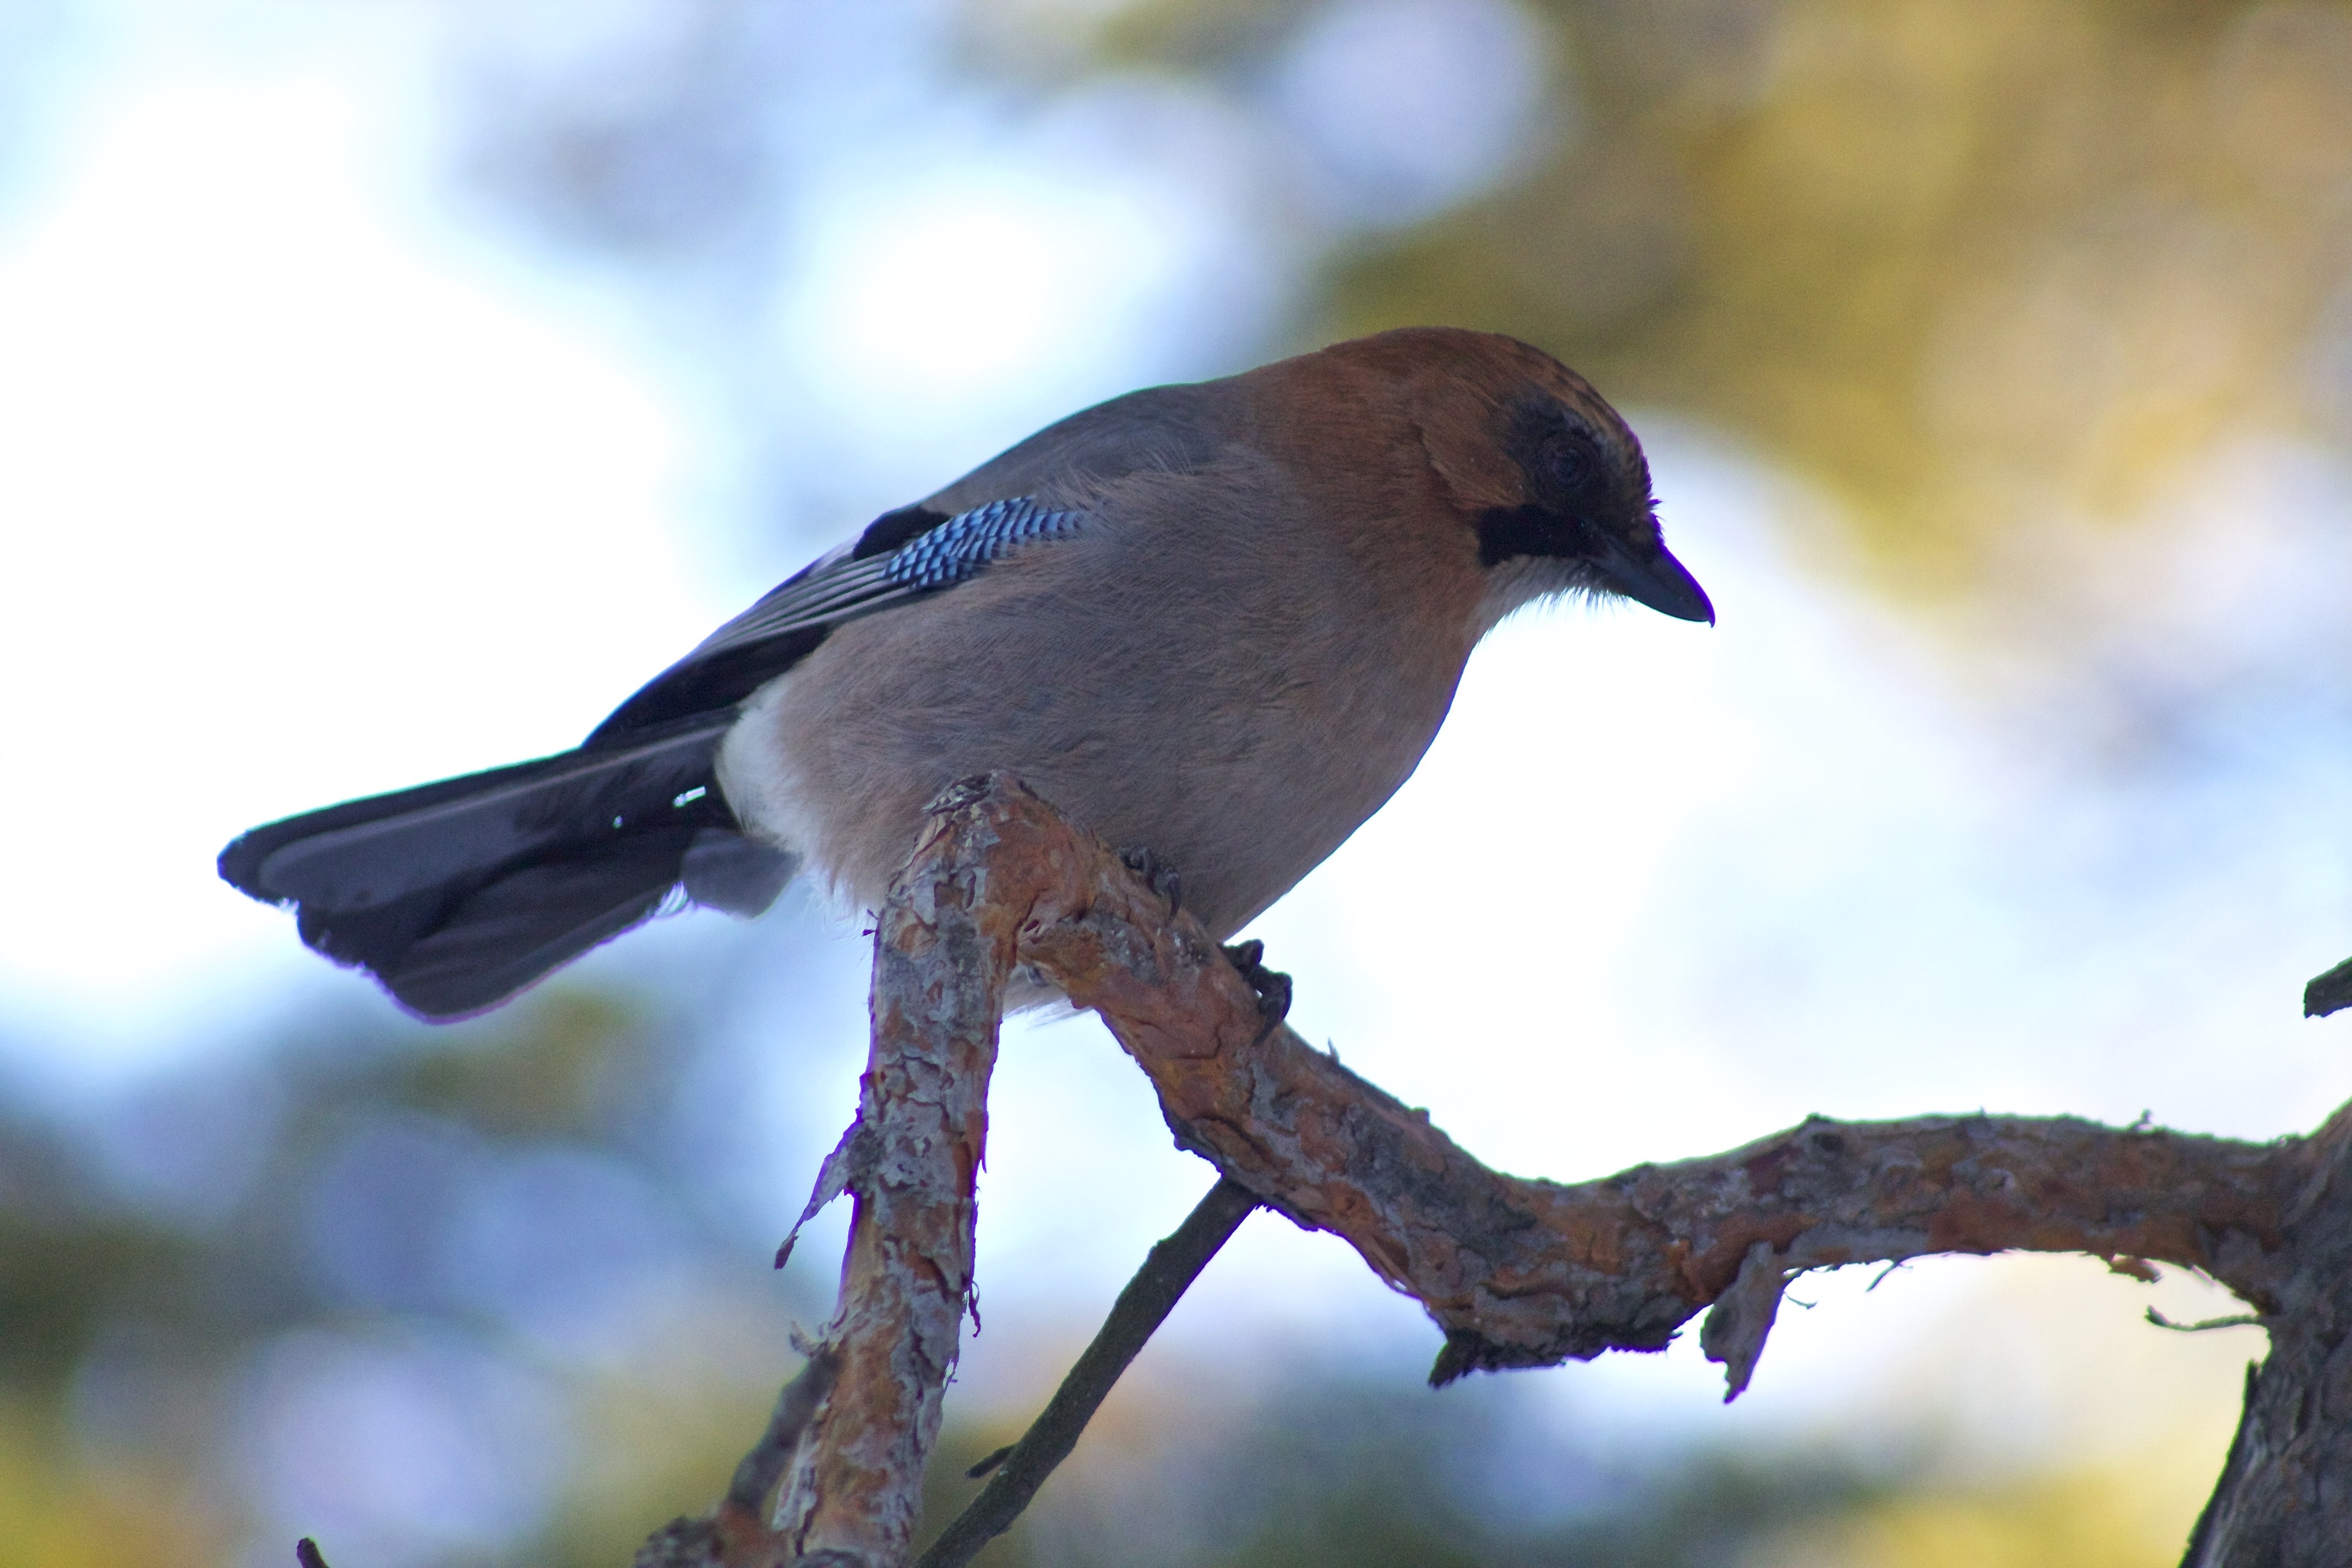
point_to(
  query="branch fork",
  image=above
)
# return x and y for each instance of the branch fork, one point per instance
(1514, 1271)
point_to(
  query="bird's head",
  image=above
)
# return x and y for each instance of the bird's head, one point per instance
(1539, 464)
(1585, 517)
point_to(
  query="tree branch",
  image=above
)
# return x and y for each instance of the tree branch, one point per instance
(1519, 1272)
(1516, 1272)
(942, 949)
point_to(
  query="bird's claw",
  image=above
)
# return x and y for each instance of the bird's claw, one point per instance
(1146, 864)
(1272, 985)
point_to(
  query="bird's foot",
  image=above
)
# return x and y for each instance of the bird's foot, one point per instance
(1147, 864)
(1273, 986)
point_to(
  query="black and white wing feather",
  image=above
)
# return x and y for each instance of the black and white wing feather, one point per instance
(903, 557)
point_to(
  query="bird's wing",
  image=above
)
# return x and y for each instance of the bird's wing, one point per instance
(1035, 491)
(905, 555)
(850, 583)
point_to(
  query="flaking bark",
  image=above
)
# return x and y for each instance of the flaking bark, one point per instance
(1514, 1271)
(942, 949)
(1522, 1272)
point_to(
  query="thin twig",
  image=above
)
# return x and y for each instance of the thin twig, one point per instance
(2236, 1320)
(306, 1554)
(1140, 1309)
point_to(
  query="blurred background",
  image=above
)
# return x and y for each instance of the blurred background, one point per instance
(386, 386)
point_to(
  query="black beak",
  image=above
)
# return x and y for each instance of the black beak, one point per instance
(1660, 582)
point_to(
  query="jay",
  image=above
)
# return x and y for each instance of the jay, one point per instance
(1222, 622)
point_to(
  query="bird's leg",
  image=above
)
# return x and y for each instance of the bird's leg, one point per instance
(1273, 986)
(1147, 864)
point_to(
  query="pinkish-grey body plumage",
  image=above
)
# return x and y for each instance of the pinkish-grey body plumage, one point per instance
(1219, 622)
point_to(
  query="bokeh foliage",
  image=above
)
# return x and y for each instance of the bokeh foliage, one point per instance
(1972, 267)
(145, 1273)
(1975, 266)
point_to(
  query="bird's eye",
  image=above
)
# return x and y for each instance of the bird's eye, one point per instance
(1570, 462)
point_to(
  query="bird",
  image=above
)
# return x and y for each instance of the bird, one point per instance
(1219, 622)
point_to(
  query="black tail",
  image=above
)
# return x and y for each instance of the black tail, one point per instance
(458, 894)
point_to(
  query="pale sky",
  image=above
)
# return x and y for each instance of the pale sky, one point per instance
(312, 490)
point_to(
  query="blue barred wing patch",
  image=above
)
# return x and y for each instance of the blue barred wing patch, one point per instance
(961, 546)
(779, 631)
